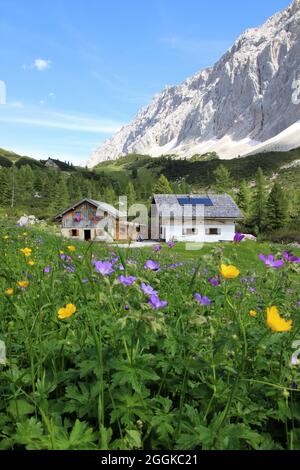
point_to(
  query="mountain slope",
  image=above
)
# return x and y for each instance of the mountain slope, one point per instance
(248, 97)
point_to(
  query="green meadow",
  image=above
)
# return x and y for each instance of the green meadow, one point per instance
(113, 348)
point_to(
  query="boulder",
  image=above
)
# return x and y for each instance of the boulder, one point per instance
(249, 236)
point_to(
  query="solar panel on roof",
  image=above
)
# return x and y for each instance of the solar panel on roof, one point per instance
(194, 201)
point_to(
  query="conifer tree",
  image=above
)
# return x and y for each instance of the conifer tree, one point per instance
(131, 195)
(277, 208)
(162, 186)
(61, 195)
(260, 201)
(244, 198)
(223, 181)
(5, 187)
(109, 195)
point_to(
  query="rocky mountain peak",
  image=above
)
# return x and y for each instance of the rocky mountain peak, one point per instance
(242, 103)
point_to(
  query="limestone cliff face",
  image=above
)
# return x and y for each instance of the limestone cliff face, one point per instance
(247, 98)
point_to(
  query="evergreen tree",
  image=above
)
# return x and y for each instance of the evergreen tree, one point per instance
(244, 198)
(74, 189)
(38, 183)
(277, 208)
(109, 195)
(182, 188)
(61, 195)
(223, 181)
(260, 201)
(295, 212)
(5, 187)
(134, 173)
(162, 186)
(131, 195)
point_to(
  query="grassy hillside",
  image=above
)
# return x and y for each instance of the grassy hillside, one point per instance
(8, 158)
(199, 172)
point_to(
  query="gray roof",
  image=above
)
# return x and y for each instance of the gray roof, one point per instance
(223, 206)
(98, 204)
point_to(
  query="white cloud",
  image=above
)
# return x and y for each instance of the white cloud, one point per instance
(34, 117)
(41, 64)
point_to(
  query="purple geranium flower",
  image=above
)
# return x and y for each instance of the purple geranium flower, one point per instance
(271, 262)
(148, 290)
(47, 269)
(214, 281)
(127, 281)
(171, 244)
(173, 266)
(156, 303)
(69, 267)
(202, 300)
(104, 268)
(131, 262)
(152, 265)
(126, 307)
(238, 237)
(290, 258)
(157, 248)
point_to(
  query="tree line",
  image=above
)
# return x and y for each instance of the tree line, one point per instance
(267, 207)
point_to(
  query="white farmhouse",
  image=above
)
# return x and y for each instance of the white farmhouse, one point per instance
(195, 218)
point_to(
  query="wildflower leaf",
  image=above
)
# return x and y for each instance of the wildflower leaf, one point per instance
(19, 408)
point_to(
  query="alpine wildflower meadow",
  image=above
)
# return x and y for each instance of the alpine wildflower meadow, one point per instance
(115, 348)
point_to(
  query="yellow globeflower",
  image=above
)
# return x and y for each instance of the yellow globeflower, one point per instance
(26, 251)
(5, 237)
(72, 248)
(229, 271)
(31, 262)
(9, 291)
(23, 284)
(276, 322)
(66, 312)
(253, 313)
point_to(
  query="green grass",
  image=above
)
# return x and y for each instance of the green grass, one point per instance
(245, 256)
(199, 172)
(118, 374)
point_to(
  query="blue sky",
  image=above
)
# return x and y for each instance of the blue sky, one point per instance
(77, 70)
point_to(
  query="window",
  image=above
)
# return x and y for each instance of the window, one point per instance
(212, 231)
(74, 233)
(190, 231)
